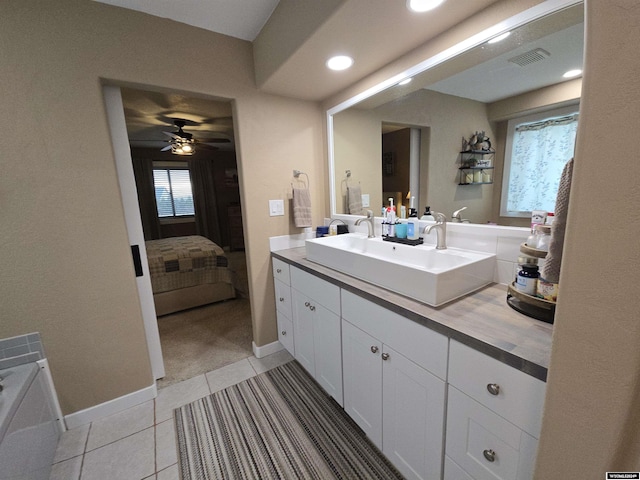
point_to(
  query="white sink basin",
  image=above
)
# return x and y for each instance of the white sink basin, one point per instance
(420, 272)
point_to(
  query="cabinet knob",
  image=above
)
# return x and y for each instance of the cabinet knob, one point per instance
(283, 332)
(490, 455)
(306, 304)
(282, 299)
(279, 270)
(312, 308)
(493, 388)
(385, 356)
(374, 349)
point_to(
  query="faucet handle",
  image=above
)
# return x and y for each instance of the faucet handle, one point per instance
(369, 213)
(439, 217)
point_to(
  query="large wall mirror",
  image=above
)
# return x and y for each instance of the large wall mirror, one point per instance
(405, 140)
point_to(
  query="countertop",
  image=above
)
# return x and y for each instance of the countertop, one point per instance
(481, 320)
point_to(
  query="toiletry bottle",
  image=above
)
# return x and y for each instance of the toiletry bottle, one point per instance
(427, 214)
(413, 224)
(391, 218)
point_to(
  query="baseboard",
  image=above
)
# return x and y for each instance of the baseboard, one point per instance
(105, 409)
(267, 349)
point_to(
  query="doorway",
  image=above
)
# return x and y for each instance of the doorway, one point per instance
(203, 337)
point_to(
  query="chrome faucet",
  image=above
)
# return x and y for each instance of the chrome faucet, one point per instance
(369, 220)
(441, 230)
(456, 215)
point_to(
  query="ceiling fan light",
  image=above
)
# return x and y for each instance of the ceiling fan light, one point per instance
(187, 148)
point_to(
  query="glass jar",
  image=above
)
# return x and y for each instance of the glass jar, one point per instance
(527, 279)
(543, 237)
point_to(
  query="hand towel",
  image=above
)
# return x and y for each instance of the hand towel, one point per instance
(354, 200)
(551, 268)
(301, 207)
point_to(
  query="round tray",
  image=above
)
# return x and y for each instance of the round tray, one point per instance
(533, 252)
(533, 307)
(530, 299)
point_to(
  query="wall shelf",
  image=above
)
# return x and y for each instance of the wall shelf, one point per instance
(476, 171)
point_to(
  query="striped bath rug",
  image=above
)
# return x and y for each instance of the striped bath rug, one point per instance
(277, 425)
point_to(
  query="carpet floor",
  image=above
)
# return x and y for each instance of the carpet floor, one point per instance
(277, 425)
(202, 339)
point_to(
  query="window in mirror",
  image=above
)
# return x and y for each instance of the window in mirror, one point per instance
(538, 147)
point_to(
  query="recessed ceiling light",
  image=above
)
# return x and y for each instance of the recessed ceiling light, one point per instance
(339, 62)
(572, 73)
(499, 38)
(423, 5)
(405, 81)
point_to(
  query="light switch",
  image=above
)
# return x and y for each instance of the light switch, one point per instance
(276, 208)
(365, 199)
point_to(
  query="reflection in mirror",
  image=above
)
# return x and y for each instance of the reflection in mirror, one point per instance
(478, 90)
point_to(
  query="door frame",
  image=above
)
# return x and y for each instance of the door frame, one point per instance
(128, 191)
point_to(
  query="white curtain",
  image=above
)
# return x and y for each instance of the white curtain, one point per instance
(540, 152)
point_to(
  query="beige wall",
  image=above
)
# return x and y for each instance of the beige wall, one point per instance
(592, 415)
(67, 269)
(358, 147)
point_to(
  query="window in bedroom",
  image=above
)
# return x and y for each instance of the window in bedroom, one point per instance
(174, 197)
(537, 149)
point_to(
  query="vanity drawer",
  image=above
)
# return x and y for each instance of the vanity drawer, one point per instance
(418, 343)
(510, 393)
(323, 292)
(484, 444)
(285, 332)
(283, 297)
(281, 271)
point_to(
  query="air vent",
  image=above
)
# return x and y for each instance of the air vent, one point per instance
(530, 57)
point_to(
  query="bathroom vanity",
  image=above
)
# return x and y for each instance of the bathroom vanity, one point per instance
(453, 392)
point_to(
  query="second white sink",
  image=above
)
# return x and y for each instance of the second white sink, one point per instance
(420, 272)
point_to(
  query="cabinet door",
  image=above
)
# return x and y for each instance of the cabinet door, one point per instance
(303, 331)
(327, 350)
(413, 417)
(362, 371)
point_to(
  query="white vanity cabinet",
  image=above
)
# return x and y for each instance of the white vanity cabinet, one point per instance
(494, 416)
(394, 388)
(281, 281)
(316, 324)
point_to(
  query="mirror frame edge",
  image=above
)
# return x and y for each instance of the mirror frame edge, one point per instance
(536, 12)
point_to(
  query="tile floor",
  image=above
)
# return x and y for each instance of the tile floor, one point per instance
(139, 443)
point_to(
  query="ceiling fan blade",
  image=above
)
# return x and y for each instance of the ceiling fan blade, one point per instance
(173, 135)
(213, 140)
(204, 146)
(165, 149)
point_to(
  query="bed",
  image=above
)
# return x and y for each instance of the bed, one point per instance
(187, 272)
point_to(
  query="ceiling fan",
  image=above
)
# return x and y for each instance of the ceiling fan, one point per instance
(183, 143)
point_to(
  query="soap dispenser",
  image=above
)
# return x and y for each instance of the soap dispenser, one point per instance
(413, 224)
(427, 214)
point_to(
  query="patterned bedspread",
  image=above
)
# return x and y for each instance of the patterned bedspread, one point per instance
(181, 262)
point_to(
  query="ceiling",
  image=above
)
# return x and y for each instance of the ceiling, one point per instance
(345, 26)
(236, 18)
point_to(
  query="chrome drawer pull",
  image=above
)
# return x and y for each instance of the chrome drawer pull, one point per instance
(493, 388)
(306, 304)
(490, 455)
(312, 308)
(385, 356)
(283, 332)
(374, 349)
(282, 299)
(279, 270)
